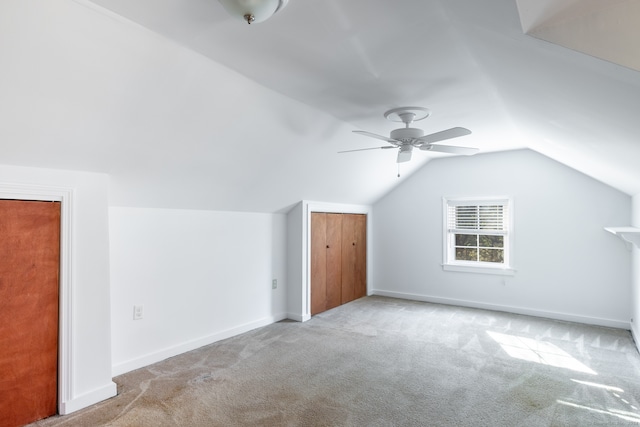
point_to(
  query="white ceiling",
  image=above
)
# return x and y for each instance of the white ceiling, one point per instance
(185, 107)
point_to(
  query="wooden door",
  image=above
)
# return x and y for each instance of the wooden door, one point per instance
(354, 257)
(334, 260)
(361, 257)
(326, 259)
(29, 265)
(338, 259)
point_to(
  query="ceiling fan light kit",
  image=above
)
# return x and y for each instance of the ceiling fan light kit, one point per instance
(404, 154)
(253, 11)
(406, 138)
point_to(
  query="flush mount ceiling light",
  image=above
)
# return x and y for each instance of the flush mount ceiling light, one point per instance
(252, 11)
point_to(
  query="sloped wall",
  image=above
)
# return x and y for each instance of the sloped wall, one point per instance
(568, 267)
(201, 276)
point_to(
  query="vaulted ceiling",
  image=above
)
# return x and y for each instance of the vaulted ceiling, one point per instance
(186, 107)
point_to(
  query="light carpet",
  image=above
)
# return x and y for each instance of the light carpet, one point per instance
(387, 362)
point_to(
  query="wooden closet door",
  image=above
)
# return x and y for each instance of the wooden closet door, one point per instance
(338, 259)
(354, 256)
(29, 265)
(360, 287)
(326, 257)
(334, 260)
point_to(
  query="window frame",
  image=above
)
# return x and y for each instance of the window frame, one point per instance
(449, 263)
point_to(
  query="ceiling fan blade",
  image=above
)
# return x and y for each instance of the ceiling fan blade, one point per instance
(467, 151)
(374, 135)
(445, 134)
(365, 149)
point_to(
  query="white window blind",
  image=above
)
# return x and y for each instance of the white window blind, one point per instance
(480, 219)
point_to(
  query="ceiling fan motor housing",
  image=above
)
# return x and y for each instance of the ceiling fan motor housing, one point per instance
(406, 134)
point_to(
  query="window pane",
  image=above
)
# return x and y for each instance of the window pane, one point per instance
(466, 240)
(492, 255)
(466, 254)
(492, 241)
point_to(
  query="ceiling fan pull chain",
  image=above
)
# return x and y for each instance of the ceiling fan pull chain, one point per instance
(398, 169)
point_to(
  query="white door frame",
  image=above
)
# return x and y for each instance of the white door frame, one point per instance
(308, 208)
(65, 321)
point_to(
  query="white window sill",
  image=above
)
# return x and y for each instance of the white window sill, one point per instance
(479, 269)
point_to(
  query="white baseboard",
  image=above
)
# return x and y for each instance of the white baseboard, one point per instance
(298, 317)
(509, 309)
(87, 399)
(163, 354)
(635, 335)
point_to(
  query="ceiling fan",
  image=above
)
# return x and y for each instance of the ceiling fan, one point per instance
(406, 138)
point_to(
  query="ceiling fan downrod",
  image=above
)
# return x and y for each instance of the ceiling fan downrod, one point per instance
(407, 117)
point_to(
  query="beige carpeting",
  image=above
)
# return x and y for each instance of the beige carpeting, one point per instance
(387, 362)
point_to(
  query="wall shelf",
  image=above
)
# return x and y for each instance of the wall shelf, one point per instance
(630, 235)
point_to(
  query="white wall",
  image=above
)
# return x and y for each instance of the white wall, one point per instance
(635, 299)
(88, 368)
(567, 266)
(201, 276)
(295, 253)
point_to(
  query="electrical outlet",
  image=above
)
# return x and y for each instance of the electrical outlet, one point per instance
(274, 284)
(137, 312)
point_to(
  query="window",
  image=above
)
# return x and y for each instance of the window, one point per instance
(477, 235)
